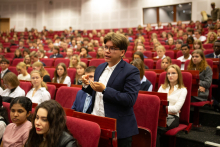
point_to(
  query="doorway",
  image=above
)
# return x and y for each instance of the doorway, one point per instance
(4, 24)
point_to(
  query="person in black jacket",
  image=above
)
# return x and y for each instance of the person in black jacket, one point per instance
(56, 53)
(4, 65)
(49, 127)
(145, 83)
(216, 51)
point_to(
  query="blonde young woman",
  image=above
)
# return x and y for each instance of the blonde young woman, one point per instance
(74, 61)
(22, 70)
(27, 60)
(39, 66)
(38, 93)
(165, 63)
(198, 45)
(160, 52)
(91, 47)
(212, 37)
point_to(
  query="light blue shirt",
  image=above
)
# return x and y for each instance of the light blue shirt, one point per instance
(87, 102)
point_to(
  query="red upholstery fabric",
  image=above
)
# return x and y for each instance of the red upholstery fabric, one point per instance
(51, 72)
(174, 131)
(209, 61)
(64, 54)
(167, 53)
(13, 69)
(29, 69)
(174, 61)
(130, 48)
(96, 62)
(9, 55)
(48, 61)
(26, 86)
(71, 73)
(149, 63)
(208, 51)
(16, 61)
(7, 106)
(85, 60)
(61, 60)
(152, 77)
(51, 90)
(148, 54)
(66, 100)
(126, 60)
(208, 46)
(146, 115)
(129, 54)
(87, 133)
(93, 54)
(200, 104)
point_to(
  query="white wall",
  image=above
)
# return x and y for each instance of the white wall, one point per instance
(86, 14)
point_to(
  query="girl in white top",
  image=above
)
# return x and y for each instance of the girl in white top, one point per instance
(12, 86)
(22, 70)
(160, 52)
(60, 75)
(38, 93)
(1, 90)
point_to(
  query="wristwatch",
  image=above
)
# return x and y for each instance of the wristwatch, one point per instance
(103, 91)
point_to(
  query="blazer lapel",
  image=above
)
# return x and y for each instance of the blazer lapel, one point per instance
(99, 72)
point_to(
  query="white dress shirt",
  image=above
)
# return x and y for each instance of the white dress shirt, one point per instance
(3, 72)
(2, 127)
(26, 78)
(182, 59)
(162, 57)
(176, 98)
(201, 38)
(99, 105)
(67, 81)
(40, 95)
(17, 92)
(1, 90)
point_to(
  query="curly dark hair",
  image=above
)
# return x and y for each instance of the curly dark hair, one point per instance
(57, 122)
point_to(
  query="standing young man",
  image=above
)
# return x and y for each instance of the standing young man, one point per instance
(116, 90)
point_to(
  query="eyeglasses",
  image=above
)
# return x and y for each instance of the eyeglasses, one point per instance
(111, 49)
(171, 74)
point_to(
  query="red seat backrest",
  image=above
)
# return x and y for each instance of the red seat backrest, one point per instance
(208, 46)
(48, 61)
(148, 54)
(149, 63)
(7, 106)
(66, 100)
(152, 77)
(13, 69)
(129, 54)
(9, 55)
(96, 62)
(51, 90)
(146, 115)
(16, 61)
(187, 81)
(209, 61)
(85, 60)
(88, 128)
(130, 48)
(51, 72)
(71, 73)
(208, 51)
(61, 60)
(93, 54)
(26, 86)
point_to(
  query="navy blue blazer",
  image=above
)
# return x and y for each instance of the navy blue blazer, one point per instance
(79, 102)
(210, 55)
(56, 56)
(120, 96)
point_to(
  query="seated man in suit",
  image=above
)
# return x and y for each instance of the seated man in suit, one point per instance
(56, 53)
(34, 58)
(83, 100)
(116, 90)
(4, 65)
(216, 48)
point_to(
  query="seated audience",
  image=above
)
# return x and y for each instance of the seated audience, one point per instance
(83, 100)
(38, 93)
(56, 53)
(198, 35)
(212, 37)
(49, 127)
(64, 47)
(165, 63)
(100, 53)
(4, 67)
(84, 53)
(17, 132)
(170, 41)
(21, 45)
(34, 58)
(80, 71)
(184, 38)
(74, 61)
(26, 52)
(140, 48)
(139, 55)
(216, 48)
(160, 52)
(159, 26)
(186, 54)
(41, 54)
(39, 66)
(198, 62)
(178, 45)
(3, 119)
(22, 71)
(27, 60)
(209, 23)
(198, 45)
(69, 53)
(61, 75)
(18, 54)
(176, 95)
(145, 83)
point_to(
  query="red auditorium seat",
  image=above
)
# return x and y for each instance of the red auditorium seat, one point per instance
(26, 86)
(48, 61)
(148, 54)
(174, 61)
(149, 63)
(208, 46)
(208, 51)
(13, 69)
(66, 100)
(51, 72)
(167, 53)
(61, 60)
(9, 55)
(48, 54)
(51, 90)
(62, 53)
(29, 70)
(86, 129)
(129, 54)
(85, 60)
(16, 61)
(152, 77)
(185, 110)
(7, 106)
(96, 62)
(71, 73)
(93, 54)
(130, 48)
(146, 115)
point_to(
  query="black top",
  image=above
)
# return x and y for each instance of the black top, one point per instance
(146, 67)
(145, 85)
(79, 82)
(46, 78)
(66, 140)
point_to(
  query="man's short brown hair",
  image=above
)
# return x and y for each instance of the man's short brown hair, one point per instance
(118, 40)
(57, 48)
(90, 69)
(5, 60)
(86, 39)
(34, 54)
